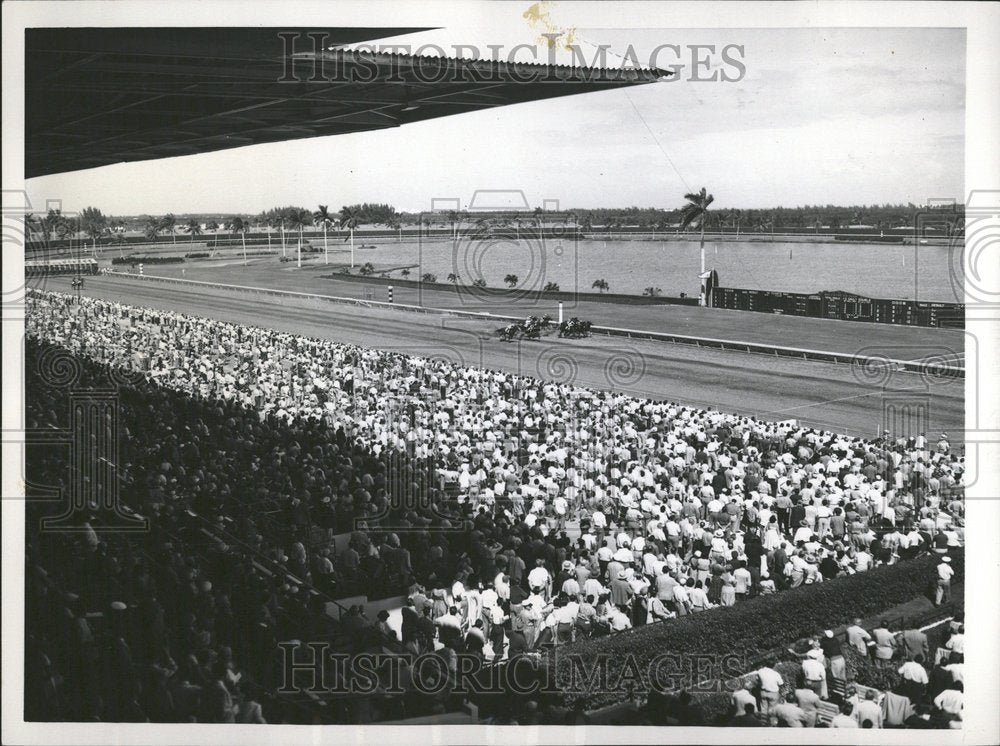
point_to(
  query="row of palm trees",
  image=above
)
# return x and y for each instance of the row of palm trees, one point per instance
(95, 225)
(297, 219)
(91, 222)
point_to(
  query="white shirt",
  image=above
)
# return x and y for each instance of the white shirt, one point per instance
(913, 671)
(813, 670)
(950, 700)
(770, 680)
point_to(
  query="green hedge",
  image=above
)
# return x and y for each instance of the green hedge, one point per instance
(745, 631)
(134, 259)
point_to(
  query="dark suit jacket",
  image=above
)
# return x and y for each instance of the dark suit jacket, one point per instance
(915, 643)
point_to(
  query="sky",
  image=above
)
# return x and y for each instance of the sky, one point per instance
(821, 116)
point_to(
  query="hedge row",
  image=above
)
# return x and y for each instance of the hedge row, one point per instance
(712, 639)
(507, 294)
(135, 259)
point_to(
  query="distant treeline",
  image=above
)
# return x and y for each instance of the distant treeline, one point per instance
(97, 229)
(808, 217)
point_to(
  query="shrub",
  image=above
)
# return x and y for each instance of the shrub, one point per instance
(197, 255)
(428, 277)
(551, 287)
(747, 630)
(864, 670)
(479, 283)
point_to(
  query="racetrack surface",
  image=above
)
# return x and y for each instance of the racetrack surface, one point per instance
(886, 340)
(837, 397)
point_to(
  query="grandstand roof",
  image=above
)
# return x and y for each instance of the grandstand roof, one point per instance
(97, 96)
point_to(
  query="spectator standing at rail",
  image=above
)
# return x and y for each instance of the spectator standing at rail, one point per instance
(915, 644)
(944, 574)
(770, 689)
(885, 642)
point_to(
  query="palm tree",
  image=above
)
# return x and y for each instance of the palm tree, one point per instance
(349, 220)
(237, 225)
(393, 223)
(277, 220)
(66, 228)
(299, 218)
(118, 237)
(49, 225)
(696, 210)
(325, 219)
(31, 226)
(601, 285)
(152, 228)
(169, 223)
(193, 227)
(264, 219)
(94, 224)
(213, 225)
(510, 280)
(452, 278)
(737, 218)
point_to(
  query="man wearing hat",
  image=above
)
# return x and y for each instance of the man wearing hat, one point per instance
(530, 618)
(570, 586)
(803, 532)
(621, 589)
(945, 571)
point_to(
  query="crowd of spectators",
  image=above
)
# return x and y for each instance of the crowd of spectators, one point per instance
(510, 512)
(927, 693)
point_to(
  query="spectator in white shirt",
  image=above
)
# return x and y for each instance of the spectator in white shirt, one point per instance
(952, 700)
(770, 688)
